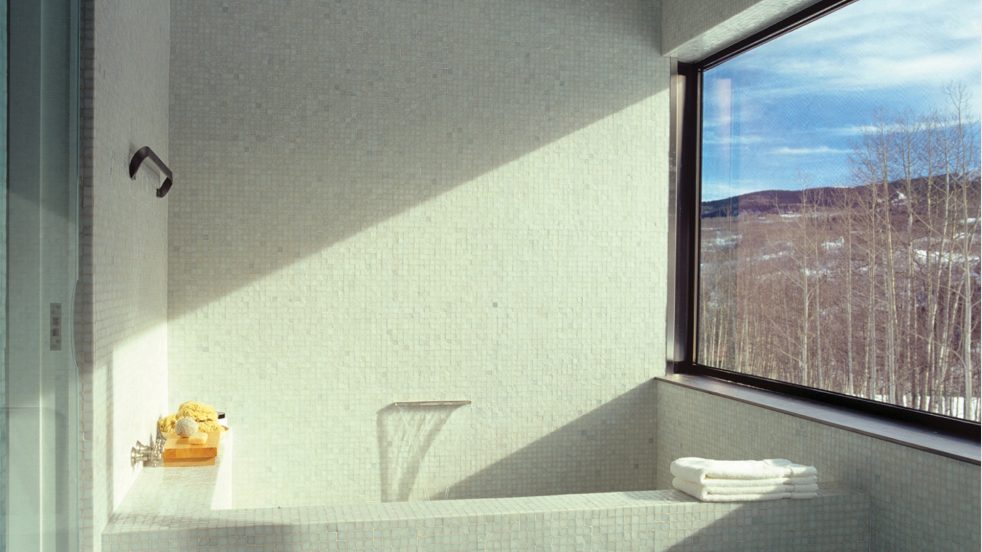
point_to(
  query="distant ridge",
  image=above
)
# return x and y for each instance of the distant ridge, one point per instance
(768, 202)
(764, 202)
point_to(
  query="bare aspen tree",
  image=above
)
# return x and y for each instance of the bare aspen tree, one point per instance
(937, 222)
(811, 211)
(869, 166)
(966, 165)
(848, 201)
(906, 144)
(890, 272)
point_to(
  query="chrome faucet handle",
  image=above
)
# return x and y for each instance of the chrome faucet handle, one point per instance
(140, 453)
(150, 454)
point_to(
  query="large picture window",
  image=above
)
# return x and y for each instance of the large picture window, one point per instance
(839, 236)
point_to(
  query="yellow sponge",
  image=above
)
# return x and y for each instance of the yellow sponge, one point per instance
(205, 415)
(167, 423)
(210, 426)
(199, 411)
(198, 438)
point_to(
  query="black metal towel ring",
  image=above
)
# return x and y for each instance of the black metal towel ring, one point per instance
(144, 153)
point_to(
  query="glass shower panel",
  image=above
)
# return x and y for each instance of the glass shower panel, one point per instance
(3, 273)
(39, 437)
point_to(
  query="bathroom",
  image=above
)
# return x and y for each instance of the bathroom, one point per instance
(424, 257)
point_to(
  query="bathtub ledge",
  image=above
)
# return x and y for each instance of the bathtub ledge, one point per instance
(161, 515)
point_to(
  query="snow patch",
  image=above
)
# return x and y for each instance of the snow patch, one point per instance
(940, 256)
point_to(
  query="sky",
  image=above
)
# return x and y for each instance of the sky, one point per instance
(787, 114)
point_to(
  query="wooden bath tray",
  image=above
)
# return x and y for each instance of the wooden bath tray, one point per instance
(178, 452)
(189, 463)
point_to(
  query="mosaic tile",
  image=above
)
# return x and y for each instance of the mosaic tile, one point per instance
(918, 500)
(397, 201)
(165, 511)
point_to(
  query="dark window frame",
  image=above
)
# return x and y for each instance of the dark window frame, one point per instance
(684, 247)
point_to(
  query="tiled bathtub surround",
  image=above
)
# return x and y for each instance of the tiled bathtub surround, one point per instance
(170, 509)
(422, 200)
(918, 501)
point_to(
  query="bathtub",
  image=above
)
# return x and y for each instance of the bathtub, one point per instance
(191, 509)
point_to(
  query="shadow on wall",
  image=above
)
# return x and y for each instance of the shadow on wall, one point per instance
(294, 127)
(727, 533)
(405, 434)
(611, 448)
(829, 522)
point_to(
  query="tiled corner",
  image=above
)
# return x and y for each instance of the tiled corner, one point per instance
(918, 500)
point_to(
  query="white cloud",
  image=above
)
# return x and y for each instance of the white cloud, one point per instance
(860, 130)
(929, 69)
(738, 140)
(800, 102)
(876, 45)
(817, 150)
(866, 73)
(858, 23)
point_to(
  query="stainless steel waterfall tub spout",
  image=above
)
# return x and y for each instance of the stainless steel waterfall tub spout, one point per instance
(148, 455)
(431, 403)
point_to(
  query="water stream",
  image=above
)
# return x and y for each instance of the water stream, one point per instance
(405, 434)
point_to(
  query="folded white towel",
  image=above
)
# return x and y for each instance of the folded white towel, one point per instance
(700, 469)
(750, 487)
(797, 480)
(700, 492)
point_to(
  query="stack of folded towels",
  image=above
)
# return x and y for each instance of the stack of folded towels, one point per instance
(744, 480)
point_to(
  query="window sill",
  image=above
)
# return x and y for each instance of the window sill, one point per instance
(965, 450)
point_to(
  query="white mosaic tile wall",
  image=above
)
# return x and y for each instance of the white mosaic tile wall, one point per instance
(918, 501)
(121, 310)
(420, 200)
